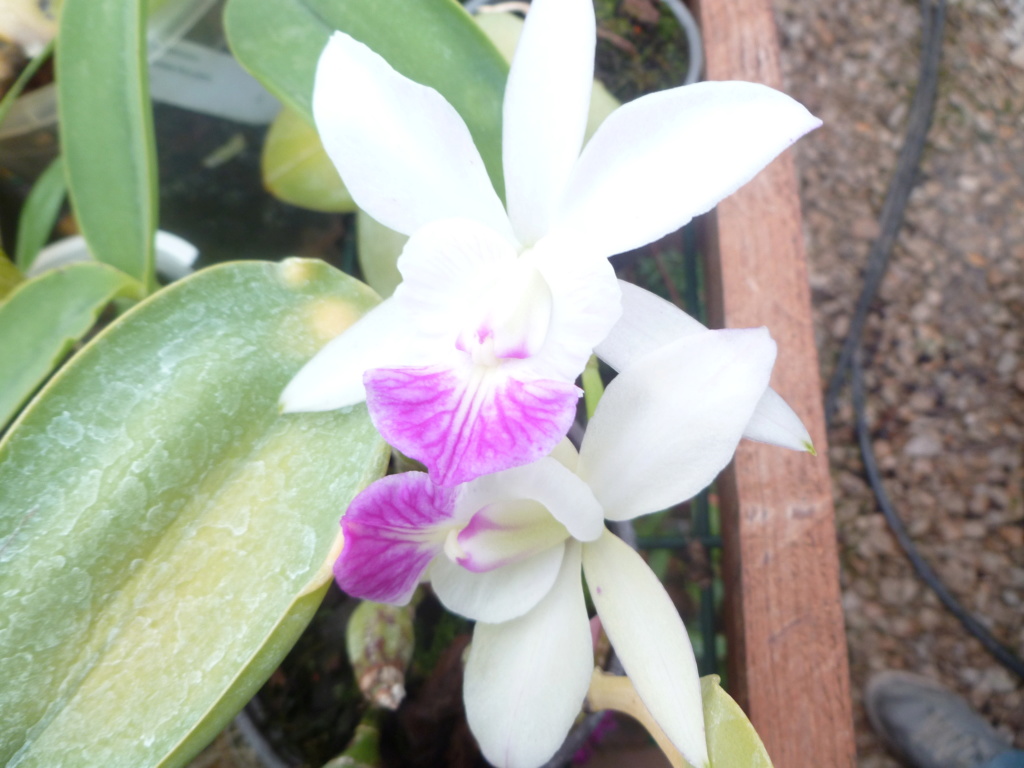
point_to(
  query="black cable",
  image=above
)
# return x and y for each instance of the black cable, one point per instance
(1002, 654)
(933, 15)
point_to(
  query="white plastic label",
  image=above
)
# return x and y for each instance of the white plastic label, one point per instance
(201, 79)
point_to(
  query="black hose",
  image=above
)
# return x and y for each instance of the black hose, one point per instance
(1001, 654)
(933, 17)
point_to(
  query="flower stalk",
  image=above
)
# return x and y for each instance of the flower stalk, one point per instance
(617, 692)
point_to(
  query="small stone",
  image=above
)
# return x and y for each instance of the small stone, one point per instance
(974, 529)
(923, 446)
(1007, 363)
(969, 183)
(998, 680)
(864, 229)
(1017, 56)
(1013, 534)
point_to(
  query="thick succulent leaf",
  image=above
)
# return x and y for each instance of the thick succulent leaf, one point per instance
(731, 737)
(166, 533)
(43, 317)
(296, 168)
(433, 42)
(40, 213)
(106, 129)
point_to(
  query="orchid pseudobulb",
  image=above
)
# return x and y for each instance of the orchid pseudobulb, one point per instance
(507, 549)
(470, 366)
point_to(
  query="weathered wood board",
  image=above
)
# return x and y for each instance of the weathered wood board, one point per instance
(787, 646)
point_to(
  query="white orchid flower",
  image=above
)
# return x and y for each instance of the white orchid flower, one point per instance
(506, 549)
(470, 366)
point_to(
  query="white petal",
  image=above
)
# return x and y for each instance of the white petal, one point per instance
(334, 377)
(548, 482)
(774, 422)
(499, 595)
(526, 679)
(650, 640)
(565, 453)
(657, 162)
(545, 113)
(404, 153)
(585, 307)
(445, 265)
(668, 424)
(648, 322)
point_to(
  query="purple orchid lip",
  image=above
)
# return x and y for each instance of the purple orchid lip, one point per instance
(463, 422)
(392, 531)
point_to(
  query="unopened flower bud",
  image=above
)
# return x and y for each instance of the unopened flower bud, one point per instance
(380, 640)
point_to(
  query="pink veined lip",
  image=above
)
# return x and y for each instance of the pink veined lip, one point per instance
(462, 425)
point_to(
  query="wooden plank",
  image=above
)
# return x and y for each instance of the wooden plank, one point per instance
(787, 646)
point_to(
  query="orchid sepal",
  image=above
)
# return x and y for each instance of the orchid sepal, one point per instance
(659, 658)
(648, 322)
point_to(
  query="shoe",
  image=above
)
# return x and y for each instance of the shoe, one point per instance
(929, 725)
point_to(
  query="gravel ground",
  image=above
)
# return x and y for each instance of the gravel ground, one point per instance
(945, 378)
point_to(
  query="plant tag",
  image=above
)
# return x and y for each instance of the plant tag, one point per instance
(200, 79)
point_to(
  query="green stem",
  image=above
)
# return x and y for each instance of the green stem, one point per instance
(593, 387)
(26, 75)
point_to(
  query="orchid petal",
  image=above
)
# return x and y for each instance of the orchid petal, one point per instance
(585, 306)
(333, 378)
(504, 533)
(548, 482)
(649, 638)
(447, 263)
(649, 322)
(775, 423)
(499, 595)
(404, 153)
(668, 424)
(392, 530)
(664, 158)
(464, 420)
(526, 679)
(545, 113)
(464, 281)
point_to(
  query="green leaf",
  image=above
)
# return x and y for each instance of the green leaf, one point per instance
(165, 533)
(296, 167)
(379, 248)
(9, 278)
(433, 42)
(43, 317)
(732, 740)
(26, 74)
(106, 129)
(40, 213)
